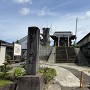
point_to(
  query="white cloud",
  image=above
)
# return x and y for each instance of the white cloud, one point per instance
(88, 13)
(85, 16)
(45, 11)
(24, 11)
(23, 1)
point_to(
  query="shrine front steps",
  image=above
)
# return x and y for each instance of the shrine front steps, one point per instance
(66, 55)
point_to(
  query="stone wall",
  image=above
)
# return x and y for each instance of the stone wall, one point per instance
(52, 57)
(80, 56)
(44, 52)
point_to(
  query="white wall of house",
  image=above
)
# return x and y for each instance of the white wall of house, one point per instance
(2, 54)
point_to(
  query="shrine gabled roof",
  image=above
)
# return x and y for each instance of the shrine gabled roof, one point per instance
(62, 33)
(56, 38)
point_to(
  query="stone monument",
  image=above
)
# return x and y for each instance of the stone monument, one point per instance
(33, 50)
(33, 80)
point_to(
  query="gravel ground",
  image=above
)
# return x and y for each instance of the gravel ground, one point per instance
(77, 73)
(65, 77)
(68, 75)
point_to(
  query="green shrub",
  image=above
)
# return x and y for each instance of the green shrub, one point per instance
(8, 57)
(76, 45)
(4, 69)
(1, 74)
(9, 76)
(49, 73)
(9, 68)
(23, 65)
(18, 72)
(23, 59)
(1, 68)
(41, 70)
(4, 82)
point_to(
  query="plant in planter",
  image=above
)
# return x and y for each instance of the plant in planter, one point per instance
(49, 74)
(18, 72)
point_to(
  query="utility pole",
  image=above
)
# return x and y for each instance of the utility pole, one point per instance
(76, 30)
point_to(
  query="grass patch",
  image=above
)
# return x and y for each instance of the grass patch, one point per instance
(4, 82)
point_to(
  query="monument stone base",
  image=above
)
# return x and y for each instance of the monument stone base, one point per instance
(31, 82)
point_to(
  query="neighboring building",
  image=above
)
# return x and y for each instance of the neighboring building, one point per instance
(84, 40)
(63, 38)
(5, 48)
(23, 43)
(84, 44)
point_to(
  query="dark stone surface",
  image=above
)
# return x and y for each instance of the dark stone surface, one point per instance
(33, 50)
(11, 86)
(28, 82)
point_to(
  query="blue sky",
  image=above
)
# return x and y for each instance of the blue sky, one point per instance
(17, 15)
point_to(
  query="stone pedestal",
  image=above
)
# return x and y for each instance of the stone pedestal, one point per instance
(31, 82)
